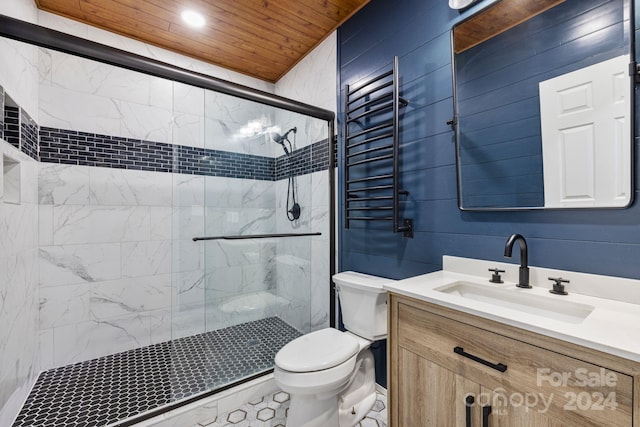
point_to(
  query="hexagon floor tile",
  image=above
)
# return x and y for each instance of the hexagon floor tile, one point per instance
(271, 411)
(109, 389)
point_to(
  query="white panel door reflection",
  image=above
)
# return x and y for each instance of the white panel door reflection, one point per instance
(585, 119)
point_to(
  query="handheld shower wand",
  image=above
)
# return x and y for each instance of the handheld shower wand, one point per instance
(280, 139)
(293, 208)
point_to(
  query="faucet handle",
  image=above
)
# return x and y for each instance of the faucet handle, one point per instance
(495, 277)
(558, 287)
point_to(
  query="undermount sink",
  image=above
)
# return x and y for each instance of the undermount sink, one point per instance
(520, 300)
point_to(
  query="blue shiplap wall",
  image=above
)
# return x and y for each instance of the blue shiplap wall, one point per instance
(593, 241)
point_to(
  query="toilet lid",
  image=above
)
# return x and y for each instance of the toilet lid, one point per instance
(316, 351)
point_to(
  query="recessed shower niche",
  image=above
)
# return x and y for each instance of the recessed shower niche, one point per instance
(10, 179)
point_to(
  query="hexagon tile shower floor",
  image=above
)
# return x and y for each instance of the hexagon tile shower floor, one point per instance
(112, 388)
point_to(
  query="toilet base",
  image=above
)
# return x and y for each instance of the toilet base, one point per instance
(350, 417)
(309, 411)
(360, 395)
(345, 407)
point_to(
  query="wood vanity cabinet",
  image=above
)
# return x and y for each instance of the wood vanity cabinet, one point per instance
(448, 368)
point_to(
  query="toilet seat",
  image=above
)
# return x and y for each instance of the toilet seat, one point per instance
(317, 351)
(316, 382)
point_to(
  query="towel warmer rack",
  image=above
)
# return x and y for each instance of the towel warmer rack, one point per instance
(371, 124)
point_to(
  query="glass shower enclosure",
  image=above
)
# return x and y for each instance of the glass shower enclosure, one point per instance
(185, 229)
(250, 232)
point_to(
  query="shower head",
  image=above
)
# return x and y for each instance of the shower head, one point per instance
(280, 139)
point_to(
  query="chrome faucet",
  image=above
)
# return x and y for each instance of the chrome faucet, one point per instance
(523, 281)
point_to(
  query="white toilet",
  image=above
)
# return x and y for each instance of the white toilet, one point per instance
(330, 374)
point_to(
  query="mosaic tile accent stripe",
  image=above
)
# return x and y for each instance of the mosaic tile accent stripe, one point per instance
(88, 149)
(28, 135)
(201, 161)
(113, 388)
(72, 147)
(12, 125)
(20, 130)
(309, 159)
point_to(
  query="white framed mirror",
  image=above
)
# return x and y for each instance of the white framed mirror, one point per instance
(543, 105)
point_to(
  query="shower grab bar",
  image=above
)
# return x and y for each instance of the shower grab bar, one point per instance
(255, 236)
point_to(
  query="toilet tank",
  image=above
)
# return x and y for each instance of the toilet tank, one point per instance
(363, 303)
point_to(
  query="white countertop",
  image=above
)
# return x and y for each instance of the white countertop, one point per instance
(612, 327)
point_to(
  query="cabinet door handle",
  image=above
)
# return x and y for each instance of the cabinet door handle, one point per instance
(468, 403)
(498, 367)
(486, 411)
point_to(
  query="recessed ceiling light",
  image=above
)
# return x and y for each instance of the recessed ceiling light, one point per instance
(193, 18)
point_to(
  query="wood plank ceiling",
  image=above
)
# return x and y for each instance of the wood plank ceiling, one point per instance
(495, 20)
(260, 38)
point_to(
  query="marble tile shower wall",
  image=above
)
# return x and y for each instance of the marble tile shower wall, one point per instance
(19, 75)
(321, 91)
(302, 273)
(216, 206)
(108, 256)
(308, 130)
(19, 352)
(19, 358)
(105, 261)
(107, 266)
(83, 95)
(113, 241)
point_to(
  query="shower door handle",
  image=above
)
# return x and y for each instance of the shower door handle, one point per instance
(255, 236)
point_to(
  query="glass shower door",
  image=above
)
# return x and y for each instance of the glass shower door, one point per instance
(258, 219)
